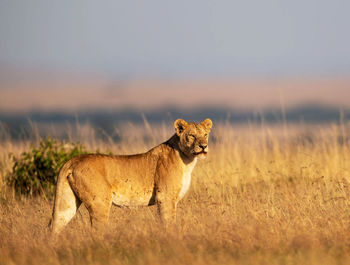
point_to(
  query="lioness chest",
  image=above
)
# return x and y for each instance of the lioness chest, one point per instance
(186, 178)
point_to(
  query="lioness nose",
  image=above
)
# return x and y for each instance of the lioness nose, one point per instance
(203, 146)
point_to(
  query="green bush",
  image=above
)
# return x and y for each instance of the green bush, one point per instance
(35, 172)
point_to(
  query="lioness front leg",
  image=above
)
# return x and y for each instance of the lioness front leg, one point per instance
(167, 212)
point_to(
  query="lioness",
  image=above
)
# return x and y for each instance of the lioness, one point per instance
(160, 176)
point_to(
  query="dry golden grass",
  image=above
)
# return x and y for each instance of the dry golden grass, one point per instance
(263, 196)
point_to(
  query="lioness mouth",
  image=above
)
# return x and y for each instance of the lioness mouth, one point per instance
(201, 152)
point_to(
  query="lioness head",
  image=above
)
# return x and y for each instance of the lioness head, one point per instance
(193, 137)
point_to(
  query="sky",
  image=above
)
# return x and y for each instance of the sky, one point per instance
(188, 39)
(67, 55)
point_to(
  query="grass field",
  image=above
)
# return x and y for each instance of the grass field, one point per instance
(264, 195)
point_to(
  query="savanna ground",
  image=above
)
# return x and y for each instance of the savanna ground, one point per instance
(264, 195)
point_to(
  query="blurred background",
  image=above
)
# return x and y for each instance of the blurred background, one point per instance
(107, 63)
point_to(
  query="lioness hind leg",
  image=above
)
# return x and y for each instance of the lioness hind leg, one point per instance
(65, 207)
(99, 211)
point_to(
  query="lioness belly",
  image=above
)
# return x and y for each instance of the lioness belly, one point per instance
(122, 199)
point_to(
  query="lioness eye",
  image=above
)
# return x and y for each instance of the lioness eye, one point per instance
(206, 135)
(191, 136)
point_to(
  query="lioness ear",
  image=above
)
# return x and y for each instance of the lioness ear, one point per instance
(207, 123)
(180, 125)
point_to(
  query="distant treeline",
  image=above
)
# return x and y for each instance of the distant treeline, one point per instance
(107, 120)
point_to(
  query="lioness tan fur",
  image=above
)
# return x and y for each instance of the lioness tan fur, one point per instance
(160, 176)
